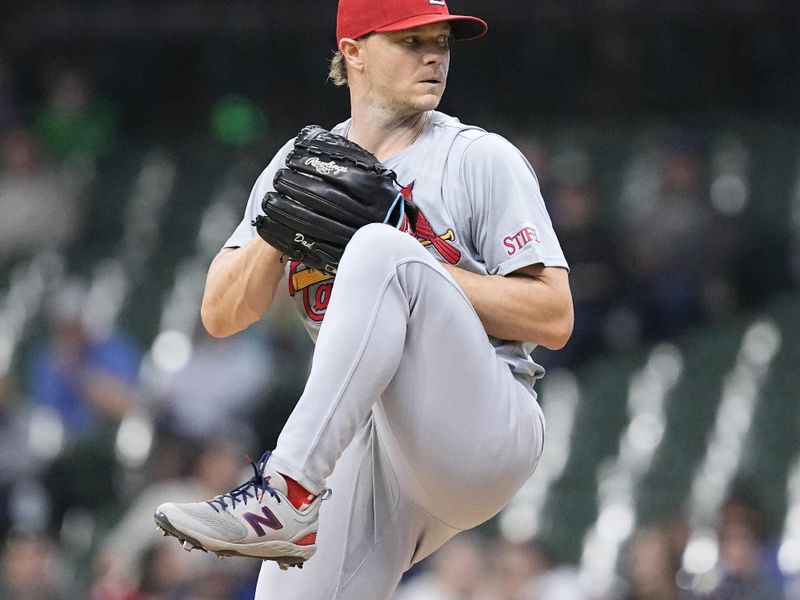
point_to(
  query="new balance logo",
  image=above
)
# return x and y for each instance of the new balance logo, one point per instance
(268, 520)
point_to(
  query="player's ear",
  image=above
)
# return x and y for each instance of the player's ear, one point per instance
(352, 52)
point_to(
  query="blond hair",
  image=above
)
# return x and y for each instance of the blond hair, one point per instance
(338, 71)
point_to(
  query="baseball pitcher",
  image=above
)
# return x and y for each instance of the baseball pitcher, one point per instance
(423, 263)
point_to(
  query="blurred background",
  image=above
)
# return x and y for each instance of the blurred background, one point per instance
(666, 137)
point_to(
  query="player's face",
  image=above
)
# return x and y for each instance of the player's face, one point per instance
(407, 70)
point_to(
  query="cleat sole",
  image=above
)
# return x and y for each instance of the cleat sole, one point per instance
(190, 543)
(285, 562)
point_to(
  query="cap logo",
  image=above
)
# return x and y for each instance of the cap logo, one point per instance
(438, 2)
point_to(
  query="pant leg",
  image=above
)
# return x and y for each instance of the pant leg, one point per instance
(462, 433)
(369, 533)
(397, 317)
(458, 433)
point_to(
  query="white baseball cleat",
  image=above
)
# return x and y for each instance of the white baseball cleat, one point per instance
(254, 519)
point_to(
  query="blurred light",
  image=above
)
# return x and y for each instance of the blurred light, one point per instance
(795, 206)
(134, 441)
(182, 305)
(789, 556)
(49, 266)
(722, 459)
(77, 530)
(793, 519)
(171, 351)
(700, 585)
(6, 351)
(218, 221)
(645, 432)
(729, 194)
(701, 553)
(521, 518)
(615, 523)
(740, 395)
(761, 342)
(154, 185)
(236, 120)
(645, 393)
(519, 523)
(29, 506)
(561, 394)
(106, 297)
(667, 361)
(598, 560)
(45, 433)
(156, 381)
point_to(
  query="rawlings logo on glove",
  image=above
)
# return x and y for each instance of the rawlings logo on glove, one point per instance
(326, 168)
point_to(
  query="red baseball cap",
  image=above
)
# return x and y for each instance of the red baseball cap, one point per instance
(360, 17)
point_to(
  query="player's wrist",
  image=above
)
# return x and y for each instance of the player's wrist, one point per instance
(267, 251)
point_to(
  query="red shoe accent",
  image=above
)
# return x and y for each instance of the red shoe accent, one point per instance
(308, 540)
(299, 496)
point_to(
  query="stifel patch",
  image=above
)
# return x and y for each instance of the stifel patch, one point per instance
(521, 237)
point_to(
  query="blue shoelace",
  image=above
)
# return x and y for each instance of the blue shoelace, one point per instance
(249, 488)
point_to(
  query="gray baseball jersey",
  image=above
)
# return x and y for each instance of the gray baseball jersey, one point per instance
(480, 209)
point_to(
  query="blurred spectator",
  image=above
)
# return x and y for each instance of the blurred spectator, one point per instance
(133, 556)
(89, 380)
(169, 573)
(23, 454)
(14, 432)
(456, 572)
(512, 568)
(73, 125)
(10, 113)
(224, 381)
(165, 570)
(289, 340)
(590, 249)
(651, 566)
(39, 204)
(538, 155)
(671, 235)
(32, 570)
(744, 551)
(552, 580)
(572, 198)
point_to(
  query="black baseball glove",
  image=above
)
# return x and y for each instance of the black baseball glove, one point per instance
(329, 189)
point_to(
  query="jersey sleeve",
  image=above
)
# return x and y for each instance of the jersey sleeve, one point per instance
(510, 225)
(245, 232)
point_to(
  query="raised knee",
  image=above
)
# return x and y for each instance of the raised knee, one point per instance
(379, 236)
(375, 234)
(376, 244)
